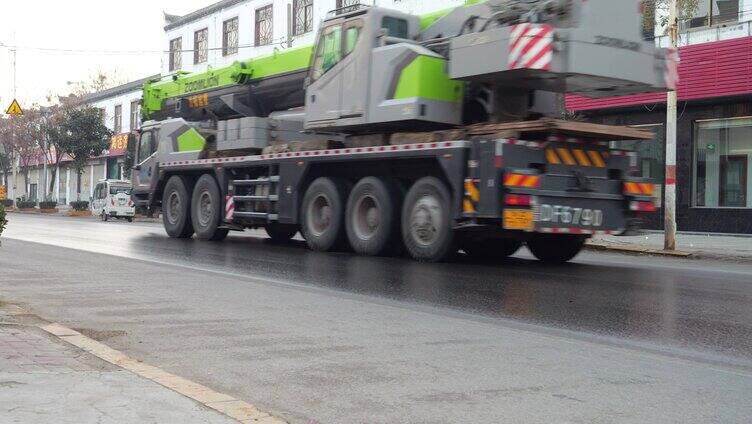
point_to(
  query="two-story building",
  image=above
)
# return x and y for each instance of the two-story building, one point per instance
(714, 141)
(232, 30)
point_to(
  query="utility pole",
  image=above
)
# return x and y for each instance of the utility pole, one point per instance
(45, 116)
(15, 161)
(669, 242)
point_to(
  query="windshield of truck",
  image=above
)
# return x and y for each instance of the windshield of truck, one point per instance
(394, 27)
(120, 189)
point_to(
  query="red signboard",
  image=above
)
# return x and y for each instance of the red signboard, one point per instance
(118, 145)
(717, 69)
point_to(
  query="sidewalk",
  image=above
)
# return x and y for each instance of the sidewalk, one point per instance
(63, 211)
(46, 380)
(718, 246)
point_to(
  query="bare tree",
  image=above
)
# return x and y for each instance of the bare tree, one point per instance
(656, 12)
(25, 133)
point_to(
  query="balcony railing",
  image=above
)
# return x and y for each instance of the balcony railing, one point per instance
(697, 35)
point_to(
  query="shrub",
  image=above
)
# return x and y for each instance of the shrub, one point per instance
(47, 205)
(3, 221)
(80, 205)
(8, 203)
(26, 204)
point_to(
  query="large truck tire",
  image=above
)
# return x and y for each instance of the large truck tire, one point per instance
(426, 221)
(176, 201)
(491, 250)
(280, 233)
(206, 209)
(372, 216)
(555, 248)
(322, 214)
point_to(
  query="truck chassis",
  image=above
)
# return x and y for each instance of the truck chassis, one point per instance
(486, 196)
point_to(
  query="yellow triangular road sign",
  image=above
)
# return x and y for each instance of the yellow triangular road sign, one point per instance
(14, 109)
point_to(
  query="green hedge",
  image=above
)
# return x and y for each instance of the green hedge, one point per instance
(80, 205)
(26, 204)
(3, 221)
(48, 205)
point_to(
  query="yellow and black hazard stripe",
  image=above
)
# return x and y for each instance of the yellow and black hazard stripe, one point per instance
(576, 157)
(472, 196)
(639, 189)
(512, 179)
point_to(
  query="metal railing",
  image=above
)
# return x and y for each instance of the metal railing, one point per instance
(726, 31)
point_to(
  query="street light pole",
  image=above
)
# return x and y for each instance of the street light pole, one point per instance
(45, 114)
(669, 242)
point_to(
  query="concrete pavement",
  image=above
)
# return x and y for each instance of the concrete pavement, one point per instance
(44, 380)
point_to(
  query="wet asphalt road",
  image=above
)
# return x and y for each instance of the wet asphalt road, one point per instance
(688, 321)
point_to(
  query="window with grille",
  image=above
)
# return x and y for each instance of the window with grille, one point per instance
(230, 37)
(135, 114)
(264, 28)
(200, 46)
(302, 11)
(118, 124)
(176, 47)
(344, 6)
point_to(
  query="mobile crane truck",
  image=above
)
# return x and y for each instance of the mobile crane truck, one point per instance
(396, 133)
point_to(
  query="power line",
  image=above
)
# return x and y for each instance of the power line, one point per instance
(275, 43)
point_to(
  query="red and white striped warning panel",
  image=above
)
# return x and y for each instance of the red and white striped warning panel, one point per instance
(672, 68)
(531, 46)
(324, 153)
(229, 208)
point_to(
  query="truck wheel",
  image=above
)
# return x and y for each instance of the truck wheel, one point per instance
(426, 222)
(372, 216)
(490, 250)
(206, 208)
(280, 233)
(176, 216)
(555, 248)
(129, 219)
(323, 214)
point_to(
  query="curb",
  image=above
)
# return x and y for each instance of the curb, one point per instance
(65, 214)
(227, 405)
(638, 250)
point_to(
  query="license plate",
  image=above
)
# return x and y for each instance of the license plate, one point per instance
(568, 215)
(518, 219)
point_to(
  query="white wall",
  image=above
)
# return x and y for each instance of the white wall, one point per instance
(246, 13)
(109, 107)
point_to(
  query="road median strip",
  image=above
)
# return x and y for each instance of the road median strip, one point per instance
(225, 404)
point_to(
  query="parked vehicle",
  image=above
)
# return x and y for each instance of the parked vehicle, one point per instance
(342, 162)
(112, 199)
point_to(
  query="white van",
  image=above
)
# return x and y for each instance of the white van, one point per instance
(112, 198)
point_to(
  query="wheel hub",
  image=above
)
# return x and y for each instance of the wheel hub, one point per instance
(320, 214)
(173, 207)
(424, 220)
(205, 210)
(367, 217)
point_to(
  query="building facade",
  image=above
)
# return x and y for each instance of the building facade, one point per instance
(232, 30)
(714, 127)
(120, 108)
